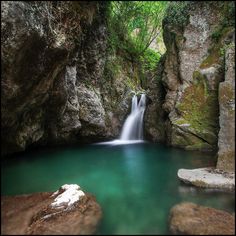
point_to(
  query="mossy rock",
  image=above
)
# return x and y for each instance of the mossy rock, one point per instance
(185, 138)
(199, 108)
(215, 55)
(199, 146)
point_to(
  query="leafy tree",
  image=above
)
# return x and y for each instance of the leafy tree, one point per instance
(136, 23)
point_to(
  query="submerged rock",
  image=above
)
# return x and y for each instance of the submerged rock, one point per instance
(68, 211)
(191, 219)
(208, 178)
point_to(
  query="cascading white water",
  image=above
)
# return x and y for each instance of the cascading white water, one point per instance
(132, 130)
(134, 103)
(133, 126)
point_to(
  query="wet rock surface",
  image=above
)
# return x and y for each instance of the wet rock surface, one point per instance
(34, 214)
(208, 178)
(191, 219)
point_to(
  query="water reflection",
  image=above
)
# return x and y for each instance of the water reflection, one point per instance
(136, 167)
(186, 189)
(209, 197)
(136, 185)
(134, 158)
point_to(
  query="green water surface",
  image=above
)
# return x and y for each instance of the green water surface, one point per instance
(136, 185)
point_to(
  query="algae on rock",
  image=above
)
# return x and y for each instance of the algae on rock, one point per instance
(193, 69)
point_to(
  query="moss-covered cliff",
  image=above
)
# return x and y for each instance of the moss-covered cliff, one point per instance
(193, 69)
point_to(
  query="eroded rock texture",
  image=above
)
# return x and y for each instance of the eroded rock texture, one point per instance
(54, 88)
(208, 178)
(193, 69)
(155, 116)
(190, 219)
(39, 97)
(226, 141)
(33, 214)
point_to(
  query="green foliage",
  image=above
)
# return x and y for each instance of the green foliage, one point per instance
(177, 13)
(150, 59)
(133, 26)
(112, 68)
(225, 47)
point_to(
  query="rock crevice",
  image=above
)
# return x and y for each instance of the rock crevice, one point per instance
(193, 71)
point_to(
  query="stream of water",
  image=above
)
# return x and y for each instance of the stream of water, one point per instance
(133, 126)
(132, 130)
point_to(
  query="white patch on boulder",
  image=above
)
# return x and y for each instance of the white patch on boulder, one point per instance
(71, 195)
(208, 178)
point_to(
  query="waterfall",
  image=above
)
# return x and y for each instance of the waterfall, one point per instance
(133, 126)
(132, 130)
(134, 103)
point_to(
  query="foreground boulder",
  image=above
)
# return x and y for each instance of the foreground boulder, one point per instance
(68, 211)
(191, 219)
(208, 178)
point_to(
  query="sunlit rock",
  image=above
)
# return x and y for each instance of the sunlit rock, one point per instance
(208, 178)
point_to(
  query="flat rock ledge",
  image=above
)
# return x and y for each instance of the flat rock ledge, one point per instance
(208, 178)
(190, 219)
(68, 211)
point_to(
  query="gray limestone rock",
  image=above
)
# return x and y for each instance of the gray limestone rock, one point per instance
(226, 141)
(193, 69)
(208, 178)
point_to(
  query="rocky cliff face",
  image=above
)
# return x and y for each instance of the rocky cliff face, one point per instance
(193, 68)
(60, 84)
(155, 116)
(53, 84)
(226, 141)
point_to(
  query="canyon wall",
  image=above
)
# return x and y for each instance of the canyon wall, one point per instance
(196, 39)
(60, 83)
(226, 141)
(56, 83)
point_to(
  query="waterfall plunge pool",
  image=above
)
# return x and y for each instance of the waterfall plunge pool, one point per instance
(136, 184)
